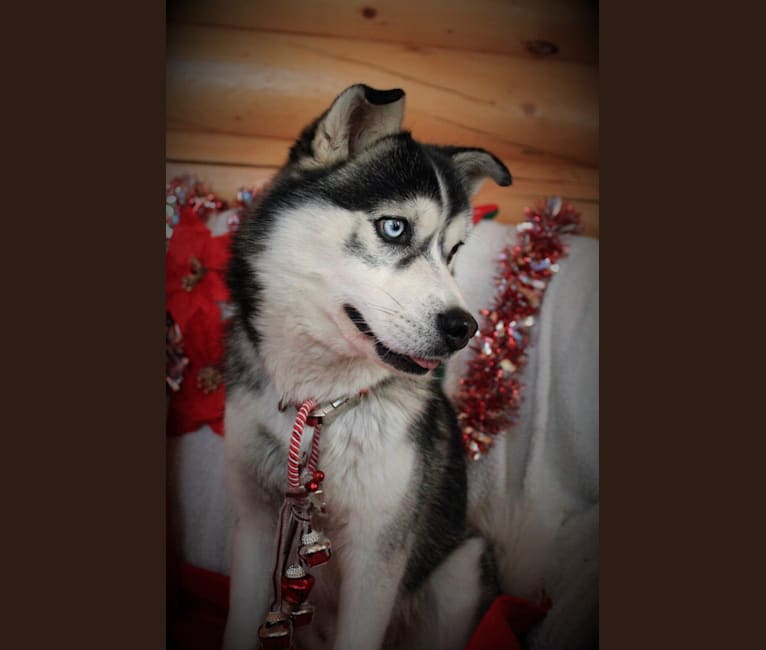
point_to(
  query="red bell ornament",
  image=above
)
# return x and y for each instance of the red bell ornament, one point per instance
(302, 614)
(276, 632)
(296, 584)
(314, 549)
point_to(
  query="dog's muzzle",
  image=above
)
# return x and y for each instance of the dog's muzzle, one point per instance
(456, 327)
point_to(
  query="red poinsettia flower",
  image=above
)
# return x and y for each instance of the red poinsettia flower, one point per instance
(195, 268)
(200, 399)
(217, 259)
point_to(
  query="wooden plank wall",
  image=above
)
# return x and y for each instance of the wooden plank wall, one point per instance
(517, 77)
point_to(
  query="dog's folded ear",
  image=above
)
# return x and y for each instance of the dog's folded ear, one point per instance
(359, 116)
(476, 165)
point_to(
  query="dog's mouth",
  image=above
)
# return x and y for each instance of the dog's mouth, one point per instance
(403, 362)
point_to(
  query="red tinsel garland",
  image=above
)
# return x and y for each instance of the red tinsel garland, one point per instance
(490, 391)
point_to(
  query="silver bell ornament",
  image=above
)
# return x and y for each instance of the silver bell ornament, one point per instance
(318, 504)
(276, 632)
(296, 584)
(302, 614)
(315, 548)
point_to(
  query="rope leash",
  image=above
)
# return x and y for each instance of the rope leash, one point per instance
(290, 582)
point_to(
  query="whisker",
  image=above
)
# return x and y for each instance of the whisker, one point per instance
(390, 295)
(383, 309)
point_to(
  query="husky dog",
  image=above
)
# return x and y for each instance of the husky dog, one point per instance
(342, 284)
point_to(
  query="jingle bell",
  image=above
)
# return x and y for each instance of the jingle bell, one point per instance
(317, 501)
(314, 550)
(296, 584)
(302, 614)
(276, 632)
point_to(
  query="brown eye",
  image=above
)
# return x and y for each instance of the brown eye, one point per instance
(453, 251)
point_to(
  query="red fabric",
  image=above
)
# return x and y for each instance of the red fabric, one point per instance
(205, 586)
(200, 618)
(204, 605)
(507, 620)
(483, 211)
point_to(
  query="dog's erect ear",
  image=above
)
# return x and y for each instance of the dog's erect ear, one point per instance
(358, 116)
(476, 165)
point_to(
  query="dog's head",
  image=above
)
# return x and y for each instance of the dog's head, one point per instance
(349, 256)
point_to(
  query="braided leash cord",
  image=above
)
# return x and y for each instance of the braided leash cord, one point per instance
(293, 457)
(314, 458)
(291, 512)
(279, 560)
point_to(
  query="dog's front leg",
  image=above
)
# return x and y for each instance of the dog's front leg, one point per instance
(253, 550)
(367, 595)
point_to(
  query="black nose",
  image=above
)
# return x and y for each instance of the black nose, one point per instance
(457, 326)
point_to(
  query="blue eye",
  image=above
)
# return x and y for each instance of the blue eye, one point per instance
(393, 229)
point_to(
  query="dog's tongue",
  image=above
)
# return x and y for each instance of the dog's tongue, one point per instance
(429, 364)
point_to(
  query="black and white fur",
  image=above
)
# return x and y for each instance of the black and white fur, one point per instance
(326, 306)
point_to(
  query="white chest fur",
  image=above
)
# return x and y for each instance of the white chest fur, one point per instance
(369, 458)
(366, 450)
